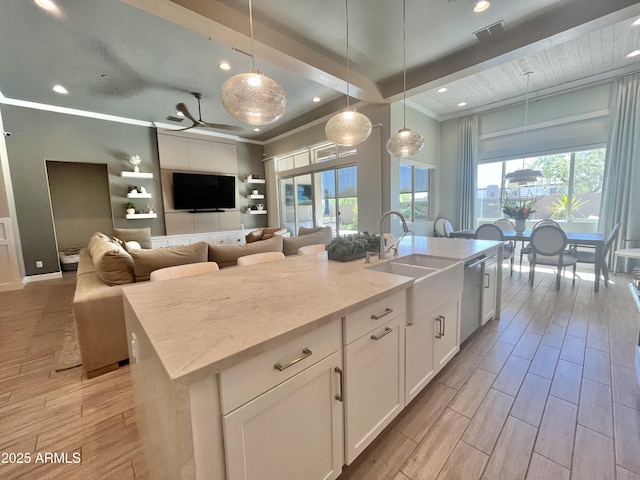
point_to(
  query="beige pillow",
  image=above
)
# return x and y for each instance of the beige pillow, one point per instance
(112, 263)
(227, 255)
(320, 235)
(254, 236)
(140, 235)
(146, 261)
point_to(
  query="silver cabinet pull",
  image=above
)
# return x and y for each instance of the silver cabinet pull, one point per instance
(386, 331)
(488, 279)
(439, 320)
(444, 324)
(339, 372)
(305, 353)
(387, 311)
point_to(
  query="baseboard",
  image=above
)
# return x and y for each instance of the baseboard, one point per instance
(42, 277)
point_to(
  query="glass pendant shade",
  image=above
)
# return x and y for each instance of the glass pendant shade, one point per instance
(405, 143)
(253, 98)
(348, 128)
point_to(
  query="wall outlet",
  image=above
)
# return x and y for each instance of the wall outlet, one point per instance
(39, 264)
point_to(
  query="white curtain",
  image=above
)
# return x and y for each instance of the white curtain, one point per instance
(621, 186)
(467, 171)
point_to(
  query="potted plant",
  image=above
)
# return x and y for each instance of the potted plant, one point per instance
(131, 208)
(351, 247)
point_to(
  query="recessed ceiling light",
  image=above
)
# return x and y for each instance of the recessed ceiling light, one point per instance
(48, 5)
(481, 6)
(462, 104)
(316, 99)
(60, 89)
(442, 90)
(256, 129)
(637, 22)
(224, 66)
(180, 114)
(635, 53)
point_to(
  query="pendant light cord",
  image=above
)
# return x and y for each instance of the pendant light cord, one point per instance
(346, 8)
(253, 56)
(404, 64)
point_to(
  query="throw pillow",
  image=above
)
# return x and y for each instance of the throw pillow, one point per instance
(227, 255)
(113, 264)
(146, 260)
(254, 236)
(320, 235)
(140, 235)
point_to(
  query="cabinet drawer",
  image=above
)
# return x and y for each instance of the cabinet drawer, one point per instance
(372, 316)
(248, 379)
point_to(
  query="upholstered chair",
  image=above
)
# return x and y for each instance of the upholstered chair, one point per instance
(183, 271)
(260, 258)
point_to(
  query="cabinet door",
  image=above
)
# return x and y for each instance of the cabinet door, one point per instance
(418, 357)
(374, 386)
(173, 153)
(446, 332)
(200, 155)
(489, 290)
(294, 431)
(225, 157)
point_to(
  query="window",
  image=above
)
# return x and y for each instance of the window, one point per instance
(414, 192)
(571, 187)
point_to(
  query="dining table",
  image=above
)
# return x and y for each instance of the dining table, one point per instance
(595, 240)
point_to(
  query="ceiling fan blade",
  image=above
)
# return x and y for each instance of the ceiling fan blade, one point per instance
(182, 108)
(221, 126)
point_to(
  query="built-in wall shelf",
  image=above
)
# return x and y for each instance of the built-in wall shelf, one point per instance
(254, 180)
(255, 197)
(257, 212)
(136, 174)
(138, 195)
(140, 216)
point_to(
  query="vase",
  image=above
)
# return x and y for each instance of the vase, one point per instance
(520, 225)
(136, 169)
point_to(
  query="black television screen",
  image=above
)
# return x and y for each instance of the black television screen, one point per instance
(197, 191)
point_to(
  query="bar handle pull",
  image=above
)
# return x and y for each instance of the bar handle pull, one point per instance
(339, 396)
(439, 320)
(487, 280)
(387, 311)
(443, 323)
(386, 331)
(305, 353)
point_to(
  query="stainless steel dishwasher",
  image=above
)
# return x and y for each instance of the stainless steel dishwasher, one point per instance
(471, 309)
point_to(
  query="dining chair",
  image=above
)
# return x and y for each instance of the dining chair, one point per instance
(309, 249)
(589, 256)
(186, 270)
(526, 249)
(505, 225)
(260, 258)
(548, 244)
(442, 227)
(490, 231)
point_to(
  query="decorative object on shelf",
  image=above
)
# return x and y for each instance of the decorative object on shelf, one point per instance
(352, 247)
(141, 189)
(131, 208)
(520, 209)
(133, 189)
(252, 97)
(149, 208)
(524, 176)
(348, 128)
(260, 206)
(406, 142)
(254, 192)
(135, 160)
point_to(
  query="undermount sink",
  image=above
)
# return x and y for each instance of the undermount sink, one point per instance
(412, 271)
(425, 261)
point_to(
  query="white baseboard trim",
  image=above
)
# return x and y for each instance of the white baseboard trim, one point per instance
(40, 278)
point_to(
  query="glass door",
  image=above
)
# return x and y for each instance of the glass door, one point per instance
(297, 206)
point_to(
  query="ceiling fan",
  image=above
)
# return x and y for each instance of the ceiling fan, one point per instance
(182, 108)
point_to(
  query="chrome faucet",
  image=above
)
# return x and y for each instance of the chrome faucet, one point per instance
(405, 227)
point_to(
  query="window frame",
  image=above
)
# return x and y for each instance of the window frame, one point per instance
(431, 169)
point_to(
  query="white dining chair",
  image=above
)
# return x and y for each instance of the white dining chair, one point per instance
(526, 249)
(442, 227)
(548, 244)
(489, 231)
(186, 270)
(260, 258)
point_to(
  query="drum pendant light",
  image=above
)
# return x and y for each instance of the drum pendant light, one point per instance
(348, 128)
(252, 97)
(406, 142)
(524, 176)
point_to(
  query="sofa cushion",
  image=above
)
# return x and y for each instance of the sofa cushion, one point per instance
(113, 264)
(227, 255)
(147, 260)
(319, 235)
(140, 235)
(254, 235)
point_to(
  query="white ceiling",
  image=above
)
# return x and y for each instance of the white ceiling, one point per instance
(139, 58)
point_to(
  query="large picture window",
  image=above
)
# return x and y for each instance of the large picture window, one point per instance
(414, 192)
(571, 187)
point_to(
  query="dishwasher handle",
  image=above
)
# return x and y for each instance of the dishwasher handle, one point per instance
(476, 262)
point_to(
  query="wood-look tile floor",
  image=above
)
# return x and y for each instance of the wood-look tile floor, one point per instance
(547, 392)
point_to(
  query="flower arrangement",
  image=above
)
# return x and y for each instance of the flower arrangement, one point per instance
(135, 160)
(518, 208)
(350, 247)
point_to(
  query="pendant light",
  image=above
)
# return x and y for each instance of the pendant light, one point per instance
(526, 175)
(252, 97)
(406, 142)
(348, 128)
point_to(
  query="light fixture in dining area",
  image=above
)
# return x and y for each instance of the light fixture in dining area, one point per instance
(348, 128)
(524, 176)
(406, 142)
(252, 97)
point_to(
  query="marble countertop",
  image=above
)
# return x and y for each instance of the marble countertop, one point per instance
(204, 324)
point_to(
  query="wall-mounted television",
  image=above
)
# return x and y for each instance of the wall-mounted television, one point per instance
(199, 191)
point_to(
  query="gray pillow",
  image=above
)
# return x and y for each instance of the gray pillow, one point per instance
(227, 255)
(140, 235)
(292, 244)
(146, 261)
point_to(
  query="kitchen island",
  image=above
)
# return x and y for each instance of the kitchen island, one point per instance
(197, 343)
